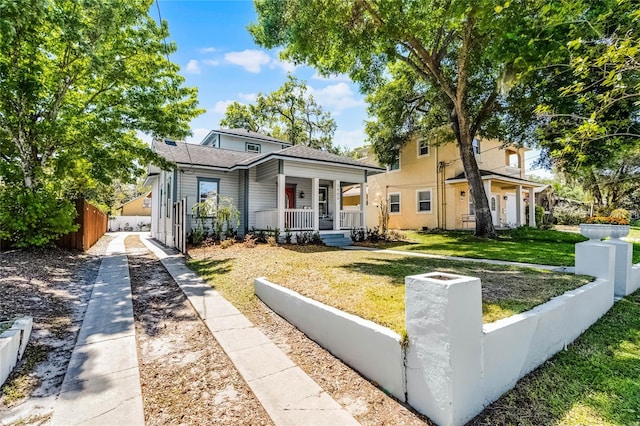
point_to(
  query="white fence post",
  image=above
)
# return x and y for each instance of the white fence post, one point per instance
(622, 266)
(595, 259)
(444, 362)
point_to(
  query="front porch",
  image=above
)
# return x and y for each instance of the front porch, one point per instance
(308, 220)
(321, 210)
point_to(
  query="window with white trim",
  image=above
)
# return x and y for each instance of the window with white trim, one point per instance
(424, 200)
(423, 148)
(394, 203)
(253, 147)
(207, 188)
(476, 146)
(395, 165)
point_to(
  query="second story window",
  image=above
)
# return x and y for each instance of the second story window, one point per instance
(395, 165)
(476, 146)
(253, 147)
(423, 148)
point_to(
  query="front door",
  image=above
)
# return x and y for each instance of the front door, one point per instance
(290, 197)
(494, 209)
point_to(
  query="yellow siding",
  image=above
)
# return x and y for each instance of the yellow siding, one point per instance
(135, 207)
(421, 173)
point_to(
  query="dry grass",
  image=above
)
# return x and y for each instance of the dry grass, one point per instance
(369, 284)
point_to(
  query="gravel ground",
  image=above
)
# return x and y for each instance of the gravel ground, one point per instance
(53, 286)
(186, 377)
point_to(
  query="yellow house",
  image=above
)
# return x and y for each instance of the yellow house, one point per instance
(427, 188)
(139, 206)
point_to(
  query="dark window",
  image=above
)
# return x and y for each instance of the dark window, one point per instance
(253, 147)
(424, 201)
(394, 203)
(423, 148)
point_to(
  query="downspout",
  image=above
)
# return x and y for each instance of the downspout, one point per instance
(245, 214)
(438, 195)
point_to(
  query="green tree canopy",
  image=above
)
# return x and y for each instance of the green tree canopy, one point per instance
(78, 79)
(289, 113)
(424, 64)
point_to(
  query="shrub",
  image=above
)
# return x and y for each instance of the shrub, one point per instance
(272, 241)
(287, 236)
(607, 220)
(373, 235)
(621, 214)
(303, 238)
(227, 243)
(569, 215)
(395, 235)
(315, 238)
(34, 217)
(249, 241)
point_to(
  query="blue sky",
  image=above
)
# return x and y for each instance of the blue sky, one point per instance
(218, 56)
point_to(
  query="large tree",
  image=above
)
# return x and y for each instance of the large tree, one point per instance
(457, 58)
(593, 121)
(78, 79)
(289, 113)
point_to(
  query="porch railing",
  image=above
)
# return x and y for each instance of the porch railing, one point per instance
(350, 219)
(302, 219)
(298, 219)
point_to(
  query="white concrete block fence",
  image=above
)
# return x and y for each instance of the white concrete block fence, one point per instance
(13, 343)
(454, 365)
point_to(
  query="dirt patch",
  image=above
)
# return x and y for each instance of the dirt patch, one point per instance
(186, 377)
(53, 286)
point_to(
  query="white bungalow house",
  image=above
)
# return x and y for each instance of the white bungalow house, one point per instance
(272, 183)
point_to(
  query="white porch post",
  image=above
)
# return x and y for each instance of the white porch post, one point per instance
(337, 192)
(280, 200)
(315, 190)
(487, 190)
(532, 207)
(519, 206)
(363, 204)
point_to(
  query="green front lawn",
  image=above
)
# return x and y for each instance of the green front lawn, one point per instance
(596, 381)
(544, 247)
(368, 284)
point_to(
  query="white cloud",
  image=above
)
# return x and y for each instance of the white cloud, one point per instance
(221, 106)
(249, 97)
(336, 97)
(285, 65)
(193, 67)
(338, 77)
(198, 135)
(208, 50)
(250, 59)
(349, 138)
(211, 62)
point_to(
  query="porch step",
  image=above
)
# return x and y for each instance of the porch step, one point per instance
(335, 240)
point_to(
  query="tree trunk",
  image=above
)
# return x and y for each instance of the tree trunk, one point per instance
(484, 221)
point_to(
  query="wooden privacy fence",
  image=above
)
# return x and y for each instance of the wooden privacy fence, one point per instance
(93, 225)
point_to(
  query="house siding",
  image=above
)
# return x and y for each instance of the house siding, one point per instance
(239, 144)
(311, 170)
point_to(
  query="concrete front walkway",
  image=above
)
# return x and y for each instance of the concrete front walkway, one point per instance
(288, 395)
(102, 383)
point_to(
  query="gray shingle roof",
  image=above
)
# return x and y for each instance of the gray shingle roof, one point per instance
(183, 153)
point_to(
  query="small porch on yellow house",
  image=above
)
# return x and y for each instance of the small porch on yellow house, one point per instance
(508, 198)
